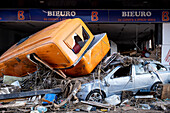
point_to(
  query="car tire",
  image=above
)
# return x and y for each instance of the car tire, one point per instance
(157, 88)
(96, 96)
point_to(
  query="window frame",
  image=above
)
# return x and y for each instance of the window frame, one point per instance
(144, 70)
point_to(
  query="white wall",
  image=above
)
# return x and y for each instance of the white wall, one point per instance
(165, 56)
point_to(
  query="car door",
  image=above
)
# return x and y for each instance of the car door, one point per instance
(143, 78)
(120, 80)
(162, 71)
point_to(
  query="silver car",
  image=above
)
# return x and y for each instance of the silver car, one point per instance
(130, 78)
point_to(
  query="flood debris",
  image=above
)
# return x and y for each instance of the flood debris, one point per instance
(45, 91)
(113, 100)
(78, 76)
(97, 104)
(165, 91)
(29, 93)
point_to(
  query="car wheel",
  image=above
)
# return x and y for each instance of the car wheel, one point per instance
(157, 88)
(96, 96)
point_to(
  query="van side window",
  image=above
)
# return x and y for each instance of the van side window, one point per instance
(76, 48)
(77, 40)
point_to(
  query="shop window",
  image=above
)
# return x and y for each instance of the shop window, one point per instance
(77, 40)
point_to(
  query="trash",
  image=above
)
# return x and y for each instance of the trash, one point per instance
(49, 98)
(104, 110)
(62, 93)
(126, 95)
(35, 111)
(35, 99)
(77, 109)
(16, 83)
(144, 106)
(113, 100)
(163, 107)
(8, 89)
(144, 96)
(87, 108)
(10, 79)
(61, 101)
(125, 101)
(76, 88)
(126, 108)
(97, 104)
(29, 93)
(12, 105)
(165, 91)
(41, 109)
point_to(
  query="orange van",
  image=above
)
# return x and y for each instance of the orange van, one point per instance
(67, 45)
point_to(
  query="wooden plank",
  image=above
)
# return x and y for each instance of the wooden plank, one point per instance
(97, 104)
(29, 93)
(10, 100)
(12, 105)
(165, 91)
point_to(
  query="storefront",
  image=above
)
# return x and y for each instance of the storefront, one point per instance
(128, 29)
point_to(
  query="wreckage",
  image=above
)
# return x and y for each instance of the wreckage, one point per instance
(119, 73)
(68, 47)
(34, 68)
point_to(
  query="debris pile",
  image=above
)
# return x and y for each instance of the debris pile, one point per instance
(45, 91)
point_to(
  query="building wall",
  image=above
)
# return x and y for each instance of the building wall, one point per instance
(165, 58)
(8, 38)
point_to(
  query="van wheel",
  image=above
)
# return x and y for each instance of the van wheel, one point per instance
(96, 96)
(157, 88)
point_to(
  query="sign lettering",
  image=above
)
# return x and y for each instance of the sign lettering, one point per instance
(94, 16)
(136, 14)
(165, 16)
(21, 15)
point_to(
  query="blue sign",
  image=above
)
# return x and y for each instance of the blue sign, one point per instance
(14, 15)
(139, 16)
(56, 15)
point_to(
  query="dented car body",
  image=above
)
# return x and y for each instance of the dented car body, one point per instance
(130, 78)
(68, 46)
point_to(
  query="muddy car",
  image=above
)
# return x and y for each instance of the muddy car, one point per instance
(126, 78)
